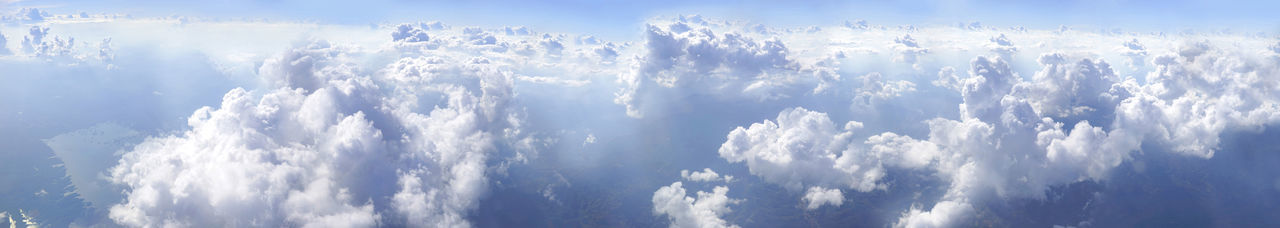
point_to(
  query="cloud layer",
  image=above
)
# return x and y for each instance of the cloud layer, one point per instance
(418, 124)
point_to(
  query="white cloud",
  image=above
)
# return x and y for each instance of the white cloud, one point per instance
(39, 43)
(1002, 46)
(326, 146)
(409, 33)
(943, 214)
(989, 81)
(908, 50)
(819, 196)
(802, 148)
(591, 139)
(4, 48)
(692, 57)
(1065, 88)
(683, 211)
(1136, 52)
(875, 87)
(31, 15)
(706, 175)
(947, 78)
(411, 134)
(858, 24)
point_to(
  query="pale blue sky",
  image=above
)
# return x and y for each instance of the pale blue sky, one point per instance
(612, 18)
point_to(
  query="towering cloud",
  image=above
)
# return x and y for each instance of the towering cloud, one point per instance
(692, 58)
(330, 146)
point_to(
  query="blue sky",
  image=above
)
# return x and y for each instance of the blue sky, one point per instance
(639, 114)
(618, 18)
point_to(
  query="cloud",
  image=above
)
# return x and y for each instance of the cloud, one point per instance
(692, 57)
(4, 48)
(38, 43)
(908, 50)
(1064, 88)
(329, 146)
(1002, 46)
(1136, 52)
(858, 24)
(875, 88)
(1188, 101)
(818, 196)
(409, 33)
(947, 79)
(804, 148)
(943, 214)
(706, 175)
(416, 129)
(683, 211)
(28, 15)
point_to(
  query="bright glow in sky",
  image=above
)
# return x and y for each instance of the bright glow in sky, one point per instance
(639, 114)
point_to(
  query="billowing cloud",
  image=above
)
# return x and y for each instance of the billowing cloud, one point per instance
(818, 196)
(330, 146)
(908, 50)
(409, 33)
(4, 48)
(1002, 46)
(689, 56)
(419, 128)
(684, 211)
(803, 148)
(875, 88)
(37, 42)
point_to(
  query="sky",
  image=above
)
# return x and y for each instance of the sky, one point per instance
(639, 114)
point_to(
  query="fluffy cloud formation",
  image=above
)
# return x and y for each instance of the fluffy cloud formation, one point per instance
(415, 130)
(1002, 46)
(1168, 111)
(701, 212)
(818, 196)
(803, 148)
(943, 214)
(875, 88)
(331, 146)
(1010, 140)
(4, 49)
(688, 55)
(908, 50)
(706, 175)
(38, 43)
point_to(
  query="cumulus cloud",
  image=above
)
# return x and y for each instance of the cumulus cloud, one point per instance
(31, 15)
(706, 175)
(1065, 88)
(4, 49)
(413, 133)
(803, 148)
(329, 146)
(819, 196)
(409, 33)
(693, 57)
(1136, 52)
(947, 78)
(858, 24)
(1073, 120)
(908, 50)
(1172, 110)
(38, 43)
(1002, 46)
(684, 211)
(943, 214)
(875, 87)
